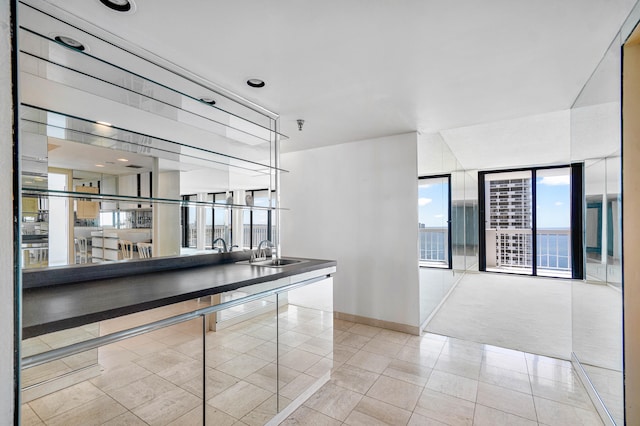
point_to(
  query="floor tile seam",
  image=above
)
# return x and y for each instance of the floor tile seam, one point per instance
(407, 381)
(477, 378)
(459, 397)
(377, 353)
(262, 387)
(503, 351)
(364, 335)
(507, 389)
(503, 372)
(321, 413)
(343, 388)
(35, 413)
(85, 403)
(342, 421)
(529, 377)
(591, 406)
(502, 357)
(512, 413)
(91, 380)
(365, 414)
(383, 340)
(415, 404)
(504, 368)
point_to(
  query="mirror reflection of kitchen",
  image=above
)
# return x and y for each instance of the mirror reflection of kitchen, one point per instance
(63, 230)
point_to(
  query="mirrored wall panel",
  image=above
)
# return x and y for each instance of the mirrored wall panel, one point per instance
(597, 300)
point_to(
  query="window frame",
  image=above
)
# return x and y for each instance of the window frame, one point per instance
(449, 256)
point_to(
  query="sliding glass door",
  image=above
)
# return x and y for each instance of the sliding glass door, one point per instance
(553, 230)
(527, 219)
(434, 212)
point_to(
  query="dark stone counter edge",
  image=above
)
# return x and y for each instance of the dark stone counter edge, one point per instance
(50, 327)
(56, 275)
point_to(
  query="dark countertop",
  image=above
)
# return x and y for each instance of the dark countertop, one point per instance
(54, 308)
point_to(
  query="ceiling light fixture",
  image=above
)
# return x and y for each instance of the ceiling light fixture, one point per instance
(99, 165)
(208, 101)
(124, 160)
(69, 42)
(300, 124)
(104, 123)
(117, 5)
(255, 82)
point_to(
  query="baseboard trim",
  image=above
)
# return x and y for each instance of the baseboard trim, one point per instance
(389, 325)
(591, 390)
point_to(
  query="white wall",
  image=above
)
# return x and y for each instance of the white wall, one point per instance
(357, 203)
(7, 328)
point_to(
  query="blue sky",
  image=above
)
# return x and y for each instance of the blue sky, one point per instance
(432, 204)
(553, 202)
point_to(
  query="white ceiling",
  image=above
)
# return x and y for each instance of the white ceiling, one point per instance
(357, 69)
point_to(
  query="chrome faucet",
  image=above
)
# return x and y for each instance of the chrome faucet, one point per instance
(259, 253)
(224, 245)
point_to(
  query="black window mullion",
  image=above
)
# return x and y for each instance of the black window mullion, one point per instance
(577, 220)
(251, 225)
(449, 236)
(534, 224)
(482, 228)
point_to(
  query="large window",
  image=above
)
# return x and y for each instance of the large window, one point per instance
(257, 222)
(526, 221)
(188, 218)
(434, 230)
(253, 226)
(219, 219)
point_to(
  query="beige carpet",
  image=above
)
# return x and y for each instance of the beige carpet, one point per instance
(524, 313)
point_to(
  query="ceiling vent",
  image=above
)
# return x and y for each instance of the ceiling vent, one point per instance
(134, 166)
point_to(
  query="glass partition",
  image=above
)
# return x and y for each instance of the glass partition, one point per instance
(456, 192)
(471, 220)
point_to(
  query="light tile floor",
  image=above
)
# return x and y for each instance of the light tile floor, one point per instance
(384, 377)
(377, 377)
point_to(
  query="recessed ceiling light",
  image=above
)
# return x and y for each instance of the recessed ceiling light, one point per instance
(99, 165)
(208, 101)
(124, 160)
(69, 42)
(117, 5)
(255, 82)
(104, 123)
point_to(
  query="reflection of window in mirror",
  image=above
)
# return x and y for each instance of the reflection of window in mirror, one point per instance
(219, 219)
(189, 222)
(594, 229)
(257, 223)
(613, 229)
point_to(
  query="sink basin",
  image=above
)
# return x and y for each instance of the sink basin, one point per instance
(274, 263)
